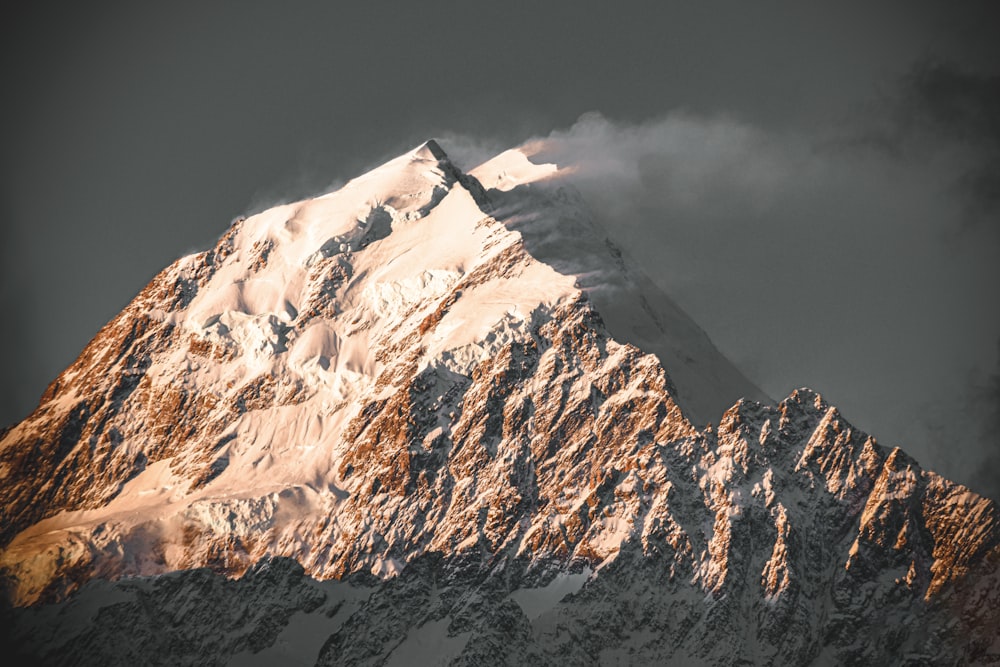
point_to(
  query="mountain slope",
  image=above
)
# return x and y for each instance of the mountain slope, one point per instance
(227, 386)
(454, 389)
(793, 539)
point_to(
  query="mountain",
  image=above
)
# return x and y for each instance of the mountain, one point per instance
(440, 416)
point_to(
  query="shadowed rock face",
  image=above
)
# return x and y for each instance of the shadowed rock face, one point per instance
(393, 430)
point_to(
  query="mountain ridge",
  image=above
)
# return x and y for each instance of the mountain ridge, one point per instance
(428, 366)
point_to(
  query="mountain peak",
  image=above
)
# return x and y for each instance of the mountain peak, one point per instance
(413, 373)
(279, 345)
(429, 150)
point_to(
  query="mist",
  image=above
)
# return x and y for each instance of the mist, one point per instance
(819, 259)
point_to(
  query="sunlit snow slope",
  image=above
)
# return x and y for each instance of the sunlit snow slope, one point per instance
(221, 397)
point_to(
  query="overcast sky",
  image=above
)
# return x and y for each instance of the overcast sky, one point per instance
(818, 186)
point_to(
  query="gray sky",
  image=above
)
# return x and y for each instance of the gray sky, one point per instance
(818, 186)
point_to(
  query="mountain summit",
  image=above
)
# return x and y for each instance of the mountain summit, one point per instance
(431, 149)
(469, 422)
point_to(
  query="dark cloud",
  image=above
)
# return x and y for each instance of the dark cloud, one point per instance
(964, 107)
(984, 403)
(938, 107)
(982, 183)
(961, 104)
(968, 428)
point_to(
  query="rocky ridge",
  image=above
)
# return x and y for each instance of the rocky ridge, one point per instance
(411, 387)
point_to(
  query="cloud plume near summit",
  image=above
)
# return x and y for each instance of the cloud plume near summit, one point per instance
(812, 257)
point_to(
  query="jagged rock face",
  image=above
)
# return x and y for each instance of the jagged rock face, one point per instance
(190, 617)
(350, 381)
(388, 382)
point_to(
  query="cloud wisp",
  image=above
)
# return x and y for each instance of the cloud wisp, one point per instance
(810, 261)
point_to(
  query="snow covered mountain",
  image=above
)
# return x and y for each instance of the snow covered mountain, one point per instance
(478, 433)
